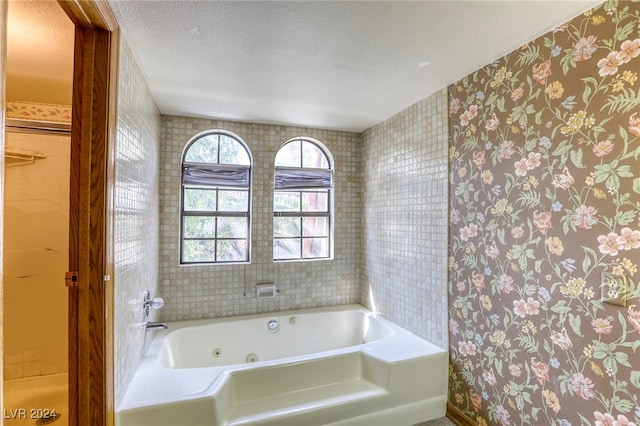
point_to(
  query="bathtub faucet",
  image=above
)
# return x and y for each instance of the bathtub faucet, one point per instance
(151, 326)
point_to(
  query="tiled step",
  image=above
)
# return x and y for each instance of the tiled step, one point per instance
(298, 393)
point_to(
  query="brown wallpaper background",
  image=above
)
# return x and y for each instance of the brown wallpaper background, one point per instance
(544, 198)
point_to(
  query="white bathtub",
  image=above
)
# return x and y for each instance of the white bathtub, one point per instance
(326, 366)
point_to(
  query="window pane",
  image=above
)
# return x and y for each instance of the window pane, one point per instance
(232, 250)
(312, 156)
(286, 227)
(204, 150)
(232, 227)
(315, 202)
(199, 200)
(289, 155)
(286, 201)
(315, 227)
(233, 201)
(199, 227)
(315, 247)
(198, 251)
(288, 248)
(232, 152)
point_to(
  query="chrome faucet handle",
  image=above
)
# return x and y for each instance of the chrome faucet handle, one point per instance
(148, 303)
(156, 302)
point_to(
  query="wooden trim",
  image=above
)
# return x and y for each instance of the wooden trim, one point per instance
(458, 417)
(91, 378)
(110, 231)
(74, 245)
(3, 62)
(94, 14)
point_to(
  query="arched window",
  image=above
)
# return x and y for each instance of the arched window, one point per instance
(216, 198)
(303, 201)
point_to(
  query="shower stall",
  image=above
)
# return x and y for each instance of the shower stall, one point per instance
(36, 245)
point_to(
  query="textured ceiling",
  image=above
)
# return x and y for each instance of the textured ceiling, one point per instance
(337, 65)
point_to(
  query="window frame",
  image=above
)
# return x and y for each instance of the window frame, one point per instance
(329, 214)
(217, 188)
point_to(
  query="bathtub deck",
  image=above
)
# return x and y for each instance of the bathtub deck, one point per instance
(396, 378)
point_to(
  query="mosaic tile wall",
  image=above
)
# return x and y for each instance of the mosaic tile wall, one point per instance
(206, 291)
(405, 218)
(136, 214)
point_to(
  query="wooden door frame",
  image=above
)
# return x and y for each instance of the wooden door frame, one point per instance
(3, 61)
(91, 375)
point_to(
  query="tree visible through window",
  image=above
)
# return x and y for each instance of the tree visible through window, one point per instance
(216, 196)
(302, 202)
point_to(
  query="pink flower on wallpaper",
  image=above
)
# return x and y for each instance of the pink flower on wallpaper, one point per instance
(628, 239)
(492, 251)
(533, 160)
(468, 231)
(542, 221)
(478, 280)
(540, 370)
(608, 244)
(454, 106)
(455, 216)
(526, 164)
(462, 172)
(622, 420)
(519, 309)
(634, 317)
(634, 124)
(605, 419)
(603, 148)
(492, 123)
(608, 65)
(467, 348)
(503, 416)
(585, 217)
(515, 370)
(526, 307)
(521, 167)
(584, 48)
(468, 115)
(629, 49)
(505, 283)
(563, 180)
(517, 232)
(489, 377)
(478, 159)
(454, 327)
(582, 386)
(476, 400)
(561, 338)
(601, 325)
(506, 149)
(517, 93)
(542, 71)
(531, 306)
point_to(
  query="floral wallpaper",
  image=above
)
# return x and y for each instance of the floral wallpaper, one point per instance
(544, 199)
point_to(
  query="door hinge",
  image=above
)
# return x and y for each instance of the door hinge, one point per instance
(71, 279)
